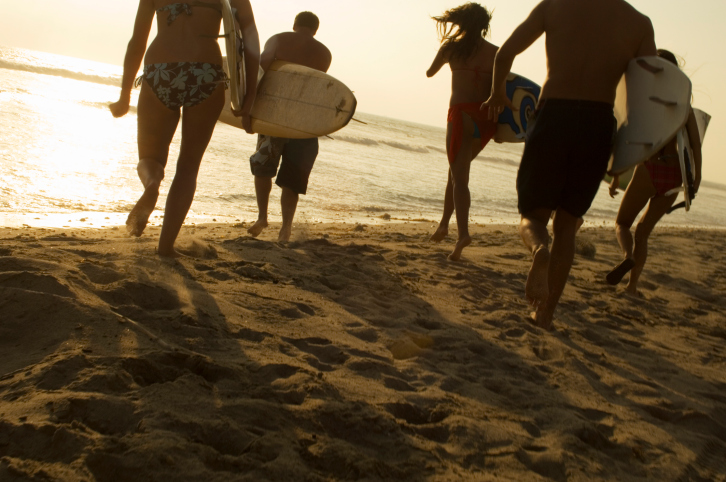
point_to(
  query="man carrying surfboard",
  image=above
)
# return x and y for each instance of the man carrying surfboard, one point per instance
(569, 140)
(297, 155)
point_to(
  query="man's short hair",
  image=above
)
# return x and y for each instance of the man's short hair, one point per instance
(307, 19)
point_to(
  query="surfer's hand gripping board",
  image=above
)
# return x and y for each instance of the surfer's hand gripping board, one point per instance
(522, 96)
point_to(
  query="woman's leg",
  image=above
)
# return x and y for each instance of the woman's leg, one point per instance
(658, 206)
(636, 196)
(156, 127)
(197, 128)
(443, 230)
(460, 178)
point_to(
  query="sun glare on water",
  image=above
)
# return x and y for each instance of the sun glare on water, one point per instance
(87, 152)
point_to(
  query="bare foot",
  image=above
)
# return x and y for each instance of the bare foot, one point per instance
(257, 228)
(538, 319)
(460, 245)
(284, 236)
(440, 234)
(537, 288)
(139, 215)
(634, 291)
(172, 254)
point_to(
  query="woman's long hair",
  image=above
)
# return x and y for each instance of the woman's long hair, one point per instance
(669, 56)
(462, 27)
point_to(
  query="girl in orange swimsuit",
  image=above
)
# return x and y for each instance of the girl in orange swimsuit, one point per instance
(471, 58)
(183, 73)
(649, 186)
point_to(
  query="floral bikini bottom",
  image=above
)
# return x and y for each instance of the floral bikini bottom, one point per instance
(183, 84)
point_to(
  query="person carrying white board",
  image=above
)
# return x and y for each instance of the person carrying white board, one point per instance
(468, 130)
(570, 138)
(182, 72)
(652, 185)
(295, 157)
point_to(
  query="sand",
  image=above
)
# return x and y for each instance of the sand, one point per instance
(355, 353)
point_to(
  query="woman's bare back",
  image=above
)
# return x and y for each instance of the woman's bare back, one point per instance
(471, 79)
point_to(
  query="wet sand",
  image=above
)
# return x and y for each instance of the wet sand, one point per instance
(355, 353)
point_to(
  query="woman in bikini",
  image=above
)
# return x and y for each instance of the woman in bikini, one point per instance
(182, 72)
(468, 130)
(651, 185)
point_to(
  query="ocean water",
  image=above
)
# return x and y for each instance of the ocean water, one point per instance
(65, 161)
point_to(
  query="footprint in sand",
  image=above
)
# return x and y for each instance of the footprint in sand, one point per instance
(322, 349)
(147, 296)
(33, 282)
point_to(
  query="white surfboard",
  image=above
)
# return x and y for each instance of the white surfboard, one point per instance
(512, 125)
(686, 160)
(297, 102)
(234, 62)
(651, 106)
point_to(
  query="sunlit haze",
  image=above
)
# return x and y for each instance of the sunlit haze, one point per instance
(381, 49)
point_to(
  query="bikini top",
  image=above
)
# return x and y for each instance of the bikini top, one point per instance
(477, 72)
(176, 9)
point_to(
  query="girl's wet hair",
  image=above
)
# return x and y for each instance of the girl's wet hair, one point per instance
(668, 55)
(462, 27)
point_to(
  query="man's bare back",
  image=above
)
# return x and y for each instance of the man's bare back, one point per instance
(589, 45)
(298, 46)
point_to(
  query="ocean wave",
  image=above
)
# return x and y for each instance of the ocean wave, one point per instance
(437, 149)
(374, 209)
(60, 72)
(713, 185)
(498, 160)
(406, 147)
(366, 141)
(356, 140)
(233, 198)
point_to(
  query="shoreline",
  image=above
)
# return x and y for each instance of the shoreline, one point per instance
(355, 352)
(377, 221)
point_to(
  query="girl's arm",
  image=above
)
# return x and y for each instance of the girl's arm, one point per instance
(441, 59)
(134, 56)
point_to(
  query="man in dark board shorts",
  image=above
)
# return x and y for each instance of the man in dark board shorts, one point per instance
(297, 155)
(569, 140)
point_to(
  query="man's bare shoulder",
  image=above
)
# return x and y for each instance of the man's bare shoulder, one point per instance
(324, 48)
(632, 14)
(284, 37)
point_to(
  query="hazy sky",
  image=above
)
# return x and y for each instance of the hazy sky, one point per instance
(382, 48)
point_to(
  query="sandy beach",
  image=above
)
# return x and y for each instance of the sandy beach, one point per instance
(355, 353)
